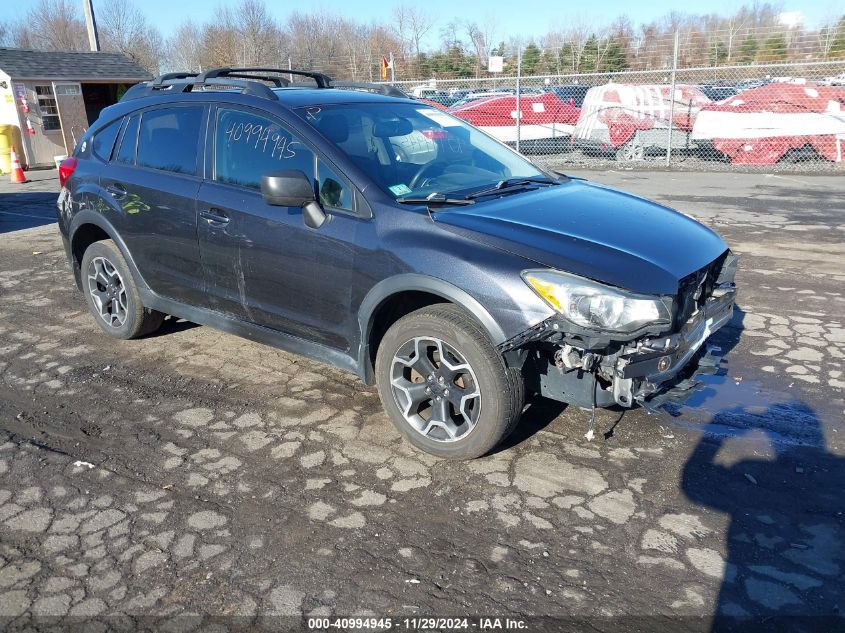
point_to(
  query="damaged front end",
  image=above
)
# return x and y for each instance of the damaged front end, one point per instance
(591, 367)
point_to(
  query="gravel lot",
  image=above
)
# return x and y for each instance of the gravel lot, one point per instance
(193, 473)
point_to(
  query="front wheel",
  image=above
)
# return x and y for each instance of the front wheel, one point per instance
(444, 386)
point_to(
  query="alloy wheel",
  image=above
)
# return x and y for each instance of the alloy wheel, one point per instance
(435, 389)
(108, 291)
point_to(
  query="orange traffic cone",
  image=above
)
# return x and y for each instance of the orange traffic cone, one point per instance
(17, 172)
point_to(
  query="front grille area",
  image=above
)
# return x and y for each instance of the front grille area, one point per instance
(705, 279)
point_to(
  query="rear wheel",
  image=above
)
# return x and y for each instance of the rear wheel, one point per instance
(112, 295)
(444, 386)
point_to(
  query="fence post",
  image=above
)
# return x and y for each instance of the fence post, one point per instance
(672, 97)
(518, 91)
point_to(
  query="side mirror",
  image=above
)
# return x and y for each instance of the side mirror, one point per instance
(292, 188)
(288, 188)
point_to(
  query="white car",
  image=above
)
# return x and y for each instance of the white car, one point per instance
(836, 80)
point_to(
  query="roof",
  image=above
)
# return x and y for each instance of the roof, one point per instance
(20, 63)
(298, 97)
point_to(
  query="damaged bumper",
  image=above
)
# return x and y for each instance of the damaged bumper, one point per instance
(652, 366)
(595, 368)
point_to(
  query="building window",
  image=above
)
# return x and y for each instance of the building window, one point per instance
(48, 108)
(68, 90)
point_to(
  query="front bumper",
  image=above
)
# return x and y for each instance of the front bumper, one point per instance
(654, 365)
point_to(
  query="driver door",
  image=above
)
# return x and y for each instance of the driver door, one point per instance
(261, 262)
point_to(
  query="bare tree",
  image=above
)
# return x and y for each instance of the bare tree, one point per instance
(183, 50)
(481, 37)
(733, 27)
(415, 23)
(124, 29)
(260, 36)
(54, 25)
(576, 36)
(828, 33)
(6, 34)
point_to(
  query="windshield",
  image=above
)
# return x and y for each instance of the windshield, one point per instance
(415, 150)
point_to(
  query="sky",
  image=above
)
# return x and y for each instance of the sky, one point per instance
(511, 15)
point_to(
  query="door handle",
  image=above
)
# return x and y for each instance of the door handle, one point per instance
(116, 191)
(215, 217)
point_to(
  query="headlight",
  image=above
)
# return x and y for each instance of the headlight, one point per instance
(593, 305)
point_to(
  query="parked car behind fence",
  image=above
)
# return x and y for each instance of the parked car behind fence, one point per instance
(774, 122)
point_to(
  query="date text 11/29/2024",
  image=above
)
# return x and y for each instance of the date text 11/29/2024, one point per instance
(417, 624)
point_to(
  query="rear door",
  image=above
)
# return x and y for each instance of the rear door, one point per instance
(153, 176)
(262, 263)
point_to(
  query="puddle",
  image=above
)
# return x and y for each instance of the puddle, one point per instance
(731, 408)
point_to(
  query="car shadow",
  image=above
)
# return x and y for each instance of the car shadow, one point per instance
(172, 325)
(26, 210)
(785, 543)
(539, 414)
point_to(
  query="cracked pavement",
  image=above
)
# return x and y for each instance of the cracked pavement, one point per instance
(193, 473)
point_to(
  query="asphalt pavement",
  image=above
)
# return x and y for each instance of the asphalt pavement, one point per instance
(193, 474)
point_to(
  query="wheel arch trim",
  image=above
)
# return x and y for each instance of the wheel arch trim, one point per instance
(410, 282)
(87, 216)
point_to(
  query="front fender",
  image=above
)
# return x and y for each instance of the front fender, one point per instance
(424, 283)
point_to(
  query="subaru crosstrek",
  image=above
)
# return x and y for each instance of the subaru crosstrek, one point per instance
(390, 239)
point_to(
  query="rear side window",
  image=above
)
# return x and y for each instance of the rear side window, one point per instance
(247, 146)
(168, 139)
(104, 139)
(126, 152)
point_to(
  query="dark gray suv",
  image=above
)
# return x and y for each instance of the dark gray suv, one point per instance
(392, 240)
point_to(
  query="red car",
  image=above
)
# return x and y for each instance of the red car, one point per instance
(760, 126)
(543, 117)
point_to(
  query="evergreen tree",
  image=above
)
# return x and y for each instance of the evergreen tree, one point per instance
(719, 53)
(748, 50)
(774, 49)
(614, 57)
(530, 59)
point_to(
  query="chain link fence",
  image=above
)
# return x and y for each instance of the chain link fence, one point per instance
(778, 116)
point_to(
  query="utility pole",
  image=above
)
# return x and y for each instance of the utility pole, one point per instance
(91, 24)
(518, 94)
(672, 96)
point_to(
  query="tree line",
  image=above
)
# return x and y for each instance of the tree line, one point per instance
(247, 34)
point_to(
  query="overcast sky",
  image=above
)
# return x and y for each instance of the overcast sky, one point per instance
(514, 18)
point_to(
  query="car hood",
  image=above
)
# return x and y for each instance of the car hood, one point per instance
(593, 231)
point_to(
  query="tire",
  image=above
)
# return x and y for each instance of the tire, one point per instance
(117, 308)
(475, 424)
(631, 151)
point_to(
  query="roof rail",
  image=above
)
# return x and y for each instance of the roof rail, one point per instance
(322, 81)
(383, 89)
(243, 79)
(161, 79)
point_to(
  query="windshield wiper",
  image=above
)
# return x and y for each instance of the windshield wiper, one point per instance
(435, 198)
(512, 183)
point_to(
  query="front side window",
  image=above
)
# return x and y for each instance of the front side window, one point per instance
(412, 149)
(168, 139)
(247, 146)
(104, 139)
(333, 190)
